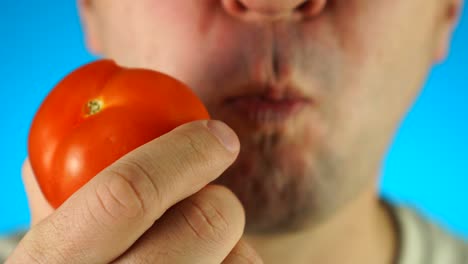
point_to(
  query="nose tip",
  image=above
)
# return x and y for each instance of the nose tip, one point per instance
(273, 8)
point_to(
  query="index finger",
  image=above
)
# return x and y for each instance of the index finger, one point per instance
(104, 218)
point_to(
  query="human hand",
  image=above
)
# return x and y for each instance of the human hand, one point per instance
(153, 205)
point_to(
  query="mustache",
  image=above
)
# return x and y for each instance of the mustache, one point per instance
(274, 62)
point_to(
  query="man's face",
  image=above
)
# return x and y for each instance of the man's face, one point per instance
(314, 89)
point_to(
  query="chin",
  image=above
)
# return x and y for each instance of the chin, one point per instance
(277, 182)
(285, 175)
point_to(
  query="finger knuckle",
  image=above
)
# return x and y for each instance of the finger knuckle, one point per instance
(130, 189)
(207, 222)
(117, 197)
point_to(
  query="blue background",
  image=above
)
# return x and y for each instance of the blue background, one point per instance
(427, 166)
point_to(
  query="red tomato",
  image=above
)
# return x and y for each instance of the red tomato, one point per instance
(96, 115)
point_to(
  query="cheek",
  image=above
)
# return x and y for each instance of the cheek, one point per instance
(152, 36)
(386, 56)
(198, 46)
(368, 89)
(202, 45)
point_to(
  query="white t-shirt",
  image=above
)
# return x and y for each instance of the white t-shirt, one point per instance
(421, 242)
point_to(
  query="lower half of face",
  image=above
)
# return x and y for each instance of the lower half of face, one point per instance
(314, 103)
(287, 175)
(300, 164)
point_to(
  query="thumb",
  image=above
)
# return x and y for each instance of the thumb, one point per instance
(38, 205)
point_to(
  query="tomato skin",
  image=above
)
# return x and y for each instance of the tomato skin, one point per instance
(68, 144)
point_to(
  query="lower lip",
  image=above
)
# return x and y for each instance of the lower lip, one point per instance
(263, 111)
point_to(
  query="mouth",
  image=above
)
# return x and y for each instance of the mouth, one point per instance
(268, 108)
(269, 97)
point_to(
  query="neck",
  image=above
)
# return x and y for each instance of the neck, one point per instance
(361, 232)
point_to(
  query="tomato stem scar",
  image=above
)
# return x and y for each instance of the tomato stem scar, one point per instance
(94, 106)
